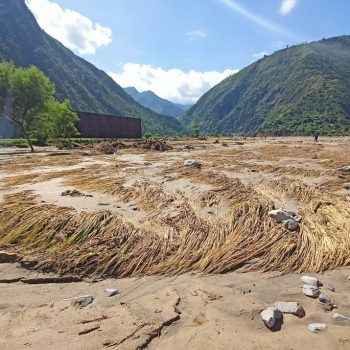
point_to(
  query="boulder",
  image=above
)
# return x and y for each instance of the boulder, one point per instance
(291, 225)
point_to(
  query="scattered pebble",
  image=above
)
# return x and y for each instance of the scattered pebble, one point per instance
(111, 292)
(340, 317)
(291, 225)
(330, 287)
(317, 327)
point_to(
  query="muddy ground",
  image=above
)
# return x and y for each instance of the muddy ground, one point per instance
(153, 195)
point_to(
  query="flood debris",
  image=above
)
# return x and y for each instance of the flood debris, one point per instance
(110, 147)
(155, 145)
(74, 193)
(317, 327)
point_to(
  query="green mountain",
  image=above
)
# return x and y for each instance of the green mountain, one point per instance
(296, 90)
(88, 88)
(157, 104)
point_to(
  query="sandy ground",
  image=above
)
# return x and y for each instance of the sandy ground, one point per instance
(190, 311)
(185, 312)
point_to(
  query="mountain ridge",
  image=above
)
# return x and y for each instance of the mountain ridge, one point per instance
(296, 90)
(156, 103)
(88, 88)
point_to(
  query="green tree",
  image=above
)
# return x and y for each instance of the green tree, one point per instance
(55, 122)
(27, 98)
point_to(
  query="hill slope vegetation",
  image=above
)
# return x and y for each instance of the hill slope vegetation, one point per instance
(88, 88)
(296, 90)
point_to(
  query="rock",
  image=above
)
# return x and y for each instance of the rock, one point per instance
(83, 302)
(317, 327)
(6, 257)
(280, 215)
(311, 291)
(311, 281)
(111, 292)
(192, 163)
(344, 169)
(290, 307)
(270, 315)
(323, 298)
(347, 186)
(291, 225)
(339, 317)
(328, 307)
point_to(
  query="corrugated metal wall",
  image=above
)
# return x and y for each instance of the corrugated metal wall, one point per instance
(107, 126)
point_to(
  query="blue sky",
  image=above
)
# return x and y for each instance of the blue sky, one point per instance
(181, 48)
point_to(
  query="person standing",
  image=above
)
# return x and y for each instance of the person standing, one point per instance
(316, 134)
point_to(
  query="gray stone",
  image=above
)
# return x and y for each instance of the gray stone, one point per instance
(270, 315)
(323, 298)
(347, 186)
(311, 291)
(291, 225)
(344, 169)
(289, 307)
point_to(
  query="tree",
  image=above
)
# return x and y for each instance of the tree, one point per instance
(55, 122)
(26, 96)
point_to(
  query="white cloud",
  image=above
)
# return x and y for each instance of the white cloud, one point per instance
(258, 20)
(173, 84)
(69, 27)
(196, 34)
(259, 55)
(287, 6)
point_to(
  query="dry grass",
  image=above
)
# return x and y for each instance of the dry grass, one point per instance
(177, 236)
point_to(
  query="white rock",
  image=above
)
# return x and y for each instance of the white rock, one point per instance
(280, 215)
(270, 315)
(289, 307)
(347, 186)
(192, 163)
(312, 281)
(110, 292)
(340, 317)
(291, 225)
(311, 291)
(317, 327)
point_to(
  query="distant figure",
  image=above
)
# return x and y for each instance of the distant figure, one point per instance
(316, 134)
